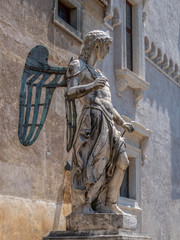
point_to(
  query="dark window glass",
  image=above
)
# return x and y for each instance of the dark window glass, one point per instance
(129, 50)
(63, 12)
(124, 191)
(129, 35)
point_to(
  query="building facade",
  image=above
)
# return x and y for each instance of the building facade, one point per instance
(143, 69)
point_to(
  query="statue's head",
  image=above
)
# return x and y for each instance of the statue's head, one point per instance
(95, 39)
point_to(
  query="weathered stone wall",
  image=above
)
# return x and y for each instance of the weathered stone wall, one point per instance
(34, 188)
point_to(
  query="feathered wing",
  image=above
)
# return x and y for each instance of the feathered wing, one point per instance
(38, 76)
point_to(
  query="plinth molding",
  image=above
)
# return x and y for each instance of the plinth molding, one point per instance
(95, 235)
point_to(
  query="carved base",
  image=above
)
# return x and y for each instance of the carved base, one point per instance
(100, 221)
(97, 235)
(99, 226)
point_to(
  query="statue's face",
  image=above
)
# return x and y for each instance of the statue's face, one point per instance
(102, 50)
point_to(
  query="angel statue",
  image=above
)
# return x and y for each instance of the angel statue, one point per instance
(99, 157)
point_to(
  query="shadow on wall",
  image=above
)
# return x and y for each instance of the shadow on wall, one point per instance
(63, 206)
(164, 95)
(58, 210)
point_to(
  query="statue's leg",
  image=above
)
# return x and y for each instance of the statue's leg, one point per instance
(116, 182)
(81, 203)
(93, 196)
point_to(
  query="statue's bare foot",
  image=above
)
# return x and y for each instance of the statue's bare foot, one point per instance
(114, 208)
(84, 209)
(101, 208)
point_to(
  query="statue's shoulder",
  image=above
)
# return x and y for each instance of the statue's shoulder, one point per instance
(76, 67)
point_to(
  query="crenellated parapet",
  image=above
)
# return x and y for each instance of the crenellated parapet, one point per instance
(161, 61)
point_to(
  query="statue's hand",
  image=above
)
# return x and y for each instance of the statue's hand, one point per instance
(100, 82)
(128, 126)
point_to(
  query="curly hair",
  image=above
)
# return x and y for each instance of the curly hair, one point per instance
(90, 41)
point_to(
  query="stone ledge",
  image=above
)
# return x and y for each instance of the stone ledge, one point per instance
(126, 78)
(100, 221)
(132, 79)
(101, 234)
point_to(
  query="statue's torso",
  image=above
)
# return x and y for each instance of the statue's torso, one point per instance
(101, 97)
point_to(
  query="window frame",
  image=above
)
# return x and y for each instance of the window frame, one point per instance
(136, 145)
(131, 180)
(125, 77)
(75, 6)
(133, 205)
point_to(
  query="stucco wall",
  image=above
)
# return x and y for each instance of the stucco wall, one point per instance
(162, 26)
(159, 111)
(33, 183)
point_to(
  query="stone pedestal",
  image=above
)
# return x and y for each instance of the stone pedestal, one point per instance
(100, 221)
(99, 226)
(97, 235)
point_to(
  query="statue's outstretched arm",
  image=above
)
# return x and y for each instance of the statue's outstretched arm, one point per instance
(119, 121)
(77, 91)
(117, 118)
(75, 73)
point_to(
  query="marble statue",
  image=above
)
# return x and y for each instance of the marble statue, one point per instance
(99, 158)
(99, 152)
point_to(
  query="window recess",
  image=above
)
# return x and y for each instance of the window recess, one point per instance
(67, 14)
(129, 199)
(129, 57)
(129, 38)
